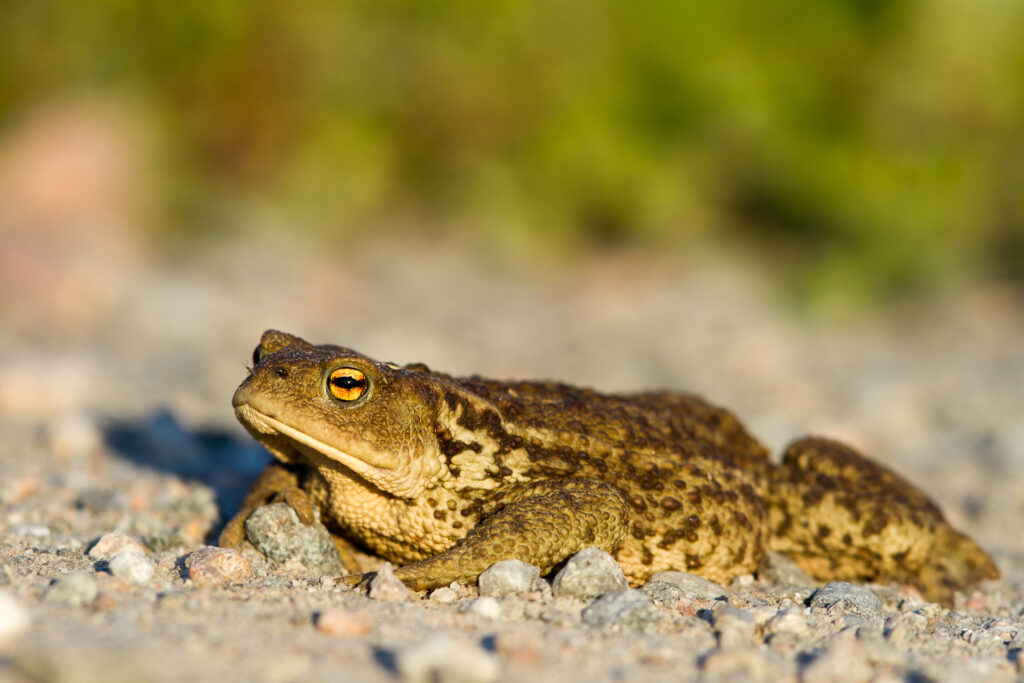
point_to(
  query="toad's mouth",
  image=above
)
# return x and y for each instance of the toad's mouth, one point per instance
(284, 441)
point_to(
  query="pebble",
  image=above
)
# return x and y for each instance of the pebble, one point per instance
(485, 606)
(745, 664)
(276, 532)
(778, 569)
(114, 542)
(385, 586)
(734, 628)
(508, 577)
(663, 593)
(14, 618)
(132, 567)
(839, 597)
(338, 621)
(73, 435)
(693, 586)
(446, 659)
(74, 589)
(210, 566)
(903, 627)
(843, 659)
(444, 595)
(790, 620)
(630, 608)
(590, 573)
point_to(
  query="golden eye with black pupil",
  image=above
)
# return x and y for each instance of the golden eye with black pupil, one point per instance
(257, 354)
(347, 384)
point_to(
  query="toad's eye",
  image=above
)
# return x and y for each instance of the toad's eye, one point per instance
(258, 354)
(347, 384)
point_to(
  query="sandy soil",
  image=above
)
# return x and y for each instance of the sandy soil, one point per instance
(115, 415)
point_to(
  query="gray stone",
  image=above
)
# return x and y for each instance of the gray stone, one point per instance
(73, 589)
(843, 659)
(629, 608)
(777, 568)
(385, 586)
(904, 627)
(734, 628)
(693, 586)
(839, 597)
(445, 658)
(508, 577)
(588, 574)
(276, 532)
(132, 567)
(663, 593)
(746, 664)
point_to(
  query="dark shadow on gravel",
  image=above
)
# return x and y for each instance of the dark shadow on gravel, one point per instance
(224, 461)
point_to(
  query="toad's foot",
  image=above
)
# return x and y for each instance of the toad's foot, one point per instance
(542, 524)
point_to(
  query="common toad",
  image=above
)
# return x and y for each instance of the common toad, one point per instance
(446, 475)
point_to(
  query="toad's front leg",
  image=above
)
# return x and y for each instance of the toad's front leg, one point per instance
(542, 524)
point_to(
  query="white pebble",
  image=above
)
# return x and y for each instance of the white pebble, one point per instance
(115, 542)
(447, 659)
(74, 435)
(14, 619)
(132, 567)
(486, 607)
(444, 595)
(386, 586)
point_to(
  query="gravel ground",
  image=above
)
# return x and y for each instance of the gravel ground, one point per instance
(119, 457)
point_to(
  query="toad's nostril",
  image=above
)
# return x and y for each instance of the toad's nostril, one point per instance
(281, 372)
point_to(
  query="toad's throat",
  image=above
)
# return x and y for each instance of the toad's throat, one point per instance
(262, 423)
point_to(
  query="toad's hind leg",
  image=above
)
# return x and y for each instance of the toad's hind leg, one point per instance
(840, 516)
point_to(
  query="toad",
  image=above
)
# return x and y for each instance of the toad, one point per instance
(445, 476)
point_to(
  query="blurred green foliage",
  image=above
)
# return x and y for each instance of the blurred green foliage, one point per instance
(866, 145)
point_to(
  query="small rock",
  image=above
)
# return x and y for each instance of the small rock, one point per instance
(14, 618)
(746, 664)
(629, 608)
(790, 620)
(733, 627)
(839, 597)
(844, 659)
(508, 577)
(444, 595)
(73, 435)
(36, 531)
(337, 621)
(903, 627)
(384, 586)
(693, 586)
(779, 569)
(112, 543)
(211, 565)
(486, 607)
(132, 567)
(276, 532)
(663, 593)
(73, 589)
(588, 574)
(446, 659)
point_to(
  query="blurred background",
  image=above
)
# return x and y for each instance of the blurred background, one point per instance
(860, 150)
(810, 212)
